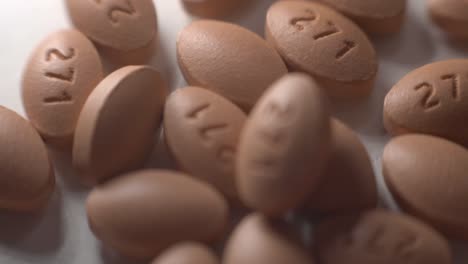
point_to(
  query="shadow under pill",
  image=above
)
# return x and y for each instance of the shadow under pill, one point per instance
(62, 161)
(161, 157)
(253, 16)
(109, 256)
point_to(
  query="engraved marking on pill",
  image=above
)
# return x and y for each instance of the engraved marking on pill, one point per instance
(328, 32)
(311, 17)
(375, 237)
(428, 101)
(208, 130)
(115, 9)
(64, 98)
(455, 81)
(405, 247)
(196, 112)
(59, 54)
(349, 46)
(69, 77)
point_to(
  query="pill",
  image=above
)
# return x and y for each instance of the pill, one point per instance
(432, 100)
(427, 177)
(317, 40)
(348, 183)
(117, 126)
(61, 73)
(379, 236)
(451, 16)
(229, 60)
(212, 8)
(116, 26)
(187, 253)
(284, 146)
(26, 173)
(202, 132)
(142, 213)
(260, 240)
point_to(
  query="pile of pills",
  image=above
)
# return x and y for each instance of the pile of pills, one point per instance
(256, 147)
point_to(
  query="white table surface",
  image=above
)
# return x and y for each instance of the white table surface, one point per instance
(60, 234)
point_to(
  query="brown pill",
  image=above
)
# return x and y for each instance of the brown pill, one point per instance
(229, 60)
(348, 183)
(26, 173)
(380, 237)
(212, 8)
(116, 129)
(143, 213)
(202, 131)
(431, 100)
(315, 39)
(451, 16)
(427, 176)
(284, 146)
(261, 241)
(61, 73)
(187, 253)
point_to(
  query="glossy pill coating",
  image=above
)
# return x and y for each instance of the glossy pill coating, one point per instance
(229, 60)
(26, 173)
(284, 146)
(116, 129)
(212, 8)
(59, 76)
(142, 213)
(315, 39)
(187, 253)
(348, 183)
(377, 237)
(202, 132)
(427, 177)
(262, 241)
(432, 100)
(451, 16)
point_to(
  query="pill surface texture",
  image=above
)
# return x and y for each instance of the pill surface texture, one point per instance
(26, 173)
(427, 176)
(348, 183)
(143, 213)
(261, 241)
(432, 100)
(229, 60)
(284, 146)
(58, 78)
(451, 16)
(202, 132)
(187, 253)
(212, 8)
(315, 39)
(116, 129)
(380, 237)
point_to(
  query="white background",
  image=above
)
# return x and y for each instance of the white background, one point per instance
(60, 234)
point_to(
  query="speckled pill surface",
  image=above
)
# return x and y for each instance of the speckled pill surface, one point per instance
(451, 16)
(212, 8)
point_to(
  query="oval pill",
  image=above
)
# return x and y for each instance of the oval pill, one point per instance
(451, 16)
(427, 177)
(202, 132)
(212, 8)
(431, 100)
(229, 60)
(58, 78)
(187, 253)
(317, 40)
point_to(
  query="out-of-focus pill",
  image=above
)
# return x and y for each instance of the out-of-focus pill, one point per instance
(377, 237)
(202, 131)
(143, 213)
(61, 73)
(427, 176)
(229, 60)
(212, 8)
(187, 253)
(26, 173)
(284, 146)
(260, 240)
(432, 100)
(116, 129)
(348, 183)
(451, 16)
(318, 40)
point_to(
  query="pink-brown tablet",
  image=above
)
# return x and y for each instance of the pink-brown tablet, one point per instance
(451, 16)
(26, 174)
(318, 40)
(380, 237)
(61, 73)
(187, 253)
(116, 129)
(260, 240)
(432, 100)
(427, 177)
(141, 214)
(212, 8)
(202, 131)
(229, 60)
(348, 183)
(284, 146)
